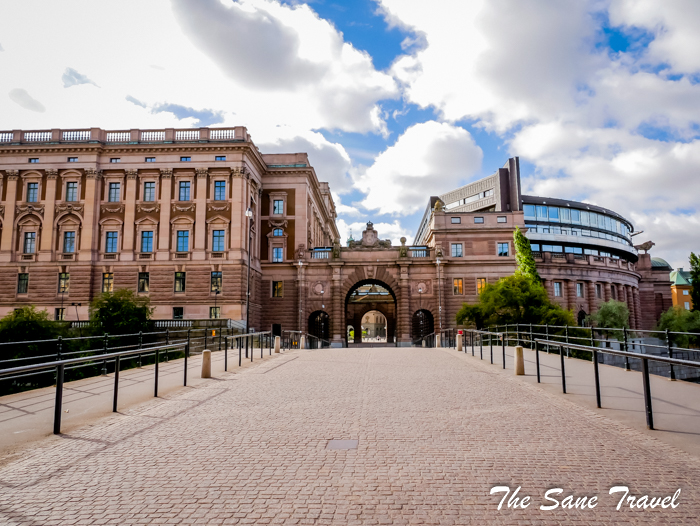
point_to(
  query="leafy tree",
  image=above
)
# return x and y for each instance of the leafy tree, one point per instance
(695, 281)
(121, 312)
(677, 319)
(612, 314)
(523, 256)
(26, 324)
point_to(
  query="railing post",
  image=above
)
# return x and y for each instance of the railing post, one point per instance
(58, 407)
(239, 351)
(59, 348)
(597, 377)
(251, 347)
(491, 344)
(481, 346)
(187, 355)
(140, 346)
(205, 338)
(537, 360)
(188, 337)
(546, 335)
(647, 394)
(532, 340)
(567, 341)
(471, 337)
(670, 353)
(116, 383)
(563, 373)
(246, 347)
(220, 338)
(104, 362)
(155, 388)
(225, 354)
(260, 343)
(627, 360)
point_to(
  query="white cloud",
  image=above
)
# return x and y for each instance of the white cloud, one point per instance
(25, 100)
(427, 159)
(73, 78)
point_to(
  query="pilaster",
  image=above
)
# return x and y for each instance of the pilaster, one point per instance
(88, 243)
(200, 224)
(8, 224)
(163, 253)
(127, 253)
(48, 231)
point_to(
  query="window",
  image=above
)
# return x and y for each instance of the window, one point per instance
(554, 214)
(32, 192)
(687, 305)
(178, 313)
(565, 215)
(277, 255)
(503, 249)
(71, 192)
(22, 283)
(585, 218)
(456, 250)
(529, 211)
(278, 206)
(686, 293)
(480, 284)
(114, 190)
(278, 232)
(613, 292)
(535, 247)
(478, 219)
(33, 160)
(185, 159)
(149, 191)
(598, 290)
(68, 242)
(579, 290)
(107, 282)
(278, 289)
(214, 312)
(457, 286)
(144, 279)
(115, 160)
(180, 282)
(60, 314)
(220, 158)
(184, 190)
(63, 282)
(576, 217)
(501, 219)
(72, 159)
(220, 191)
(147, 241)
(150, 159)
(183, 240)
(216, 279)
(111, 242)
(557, 289)
(456, 220)
(542, 213)
(29, 242)
(218, 241)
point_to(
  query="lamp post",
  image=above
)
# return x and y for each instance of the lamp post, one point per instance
(249, 215)
(323, 293)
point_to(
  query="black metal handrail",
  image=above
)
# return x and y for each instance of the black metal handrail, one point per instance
(244, 341)
(480, 334)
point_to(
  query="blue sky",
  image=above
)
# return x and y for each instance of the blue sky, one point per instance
(394, 100)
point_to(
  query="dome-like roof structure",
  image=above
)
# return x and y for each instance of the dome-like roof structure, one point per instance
(660, 263)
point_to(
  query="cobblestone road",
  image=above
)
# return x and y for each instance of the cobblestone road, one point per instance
(436, 431)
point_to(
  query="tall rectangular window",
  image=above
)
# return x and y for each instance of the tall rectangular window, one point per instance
(277, 255)
(144, 279)
(184, 190)
(183, 240)
(111, 242)
(278, 207)
(687, 305)
(557, 289)
(147, 241)
(456, 250)
(107, 282)
(68, 242)
(480, 284)
(216, 279)
(217, 244)
(71, 192)
(63, 282)
(29, 242)
(220, 191)
(178, 313)
(214, 313)
(457, 286)
(179, 282)
(598, 290)
(22, 283)
(32, 192)
(278, 289)
(60, 314)
(503, 249)
(149, 191)
(114, 189)
(579, 290)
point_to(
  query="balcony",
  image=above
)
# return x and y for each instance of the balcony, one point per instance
(321, 253)
(419, 252)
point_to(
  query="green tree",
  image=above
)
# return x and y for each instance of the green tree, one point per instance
(677, 319)
(121, 312)
(523, 256)
(26, 324)
(695, 281)
(612, 314)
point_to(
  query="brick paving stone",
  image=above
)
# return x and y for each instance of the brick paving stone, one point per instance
(436, 432)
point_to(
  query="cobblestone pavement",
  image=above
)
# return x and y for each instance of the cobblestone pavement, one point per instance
(436, 431)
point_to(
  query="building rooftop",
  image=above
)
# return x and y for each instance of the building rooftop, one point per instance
(660, 264)
(680, 277)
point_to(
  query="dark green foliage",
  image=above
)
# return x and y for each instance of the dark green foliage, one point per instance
(677, 319)
(120, 312)
(695, 281)
(611, 314)
(523, 256)
(26, 324)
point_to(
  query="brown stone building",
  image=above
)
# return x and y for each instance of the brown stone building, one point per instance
(165, 213)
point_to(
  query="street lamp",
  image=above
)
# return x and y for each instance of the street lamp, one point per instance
(249, 215)
(323, 292)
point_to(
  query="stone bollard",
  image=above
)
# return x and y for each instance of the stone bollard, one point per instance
(438, 341)
(459, 343)
(206, 363)
(519, 361)
(302, 342)
(424, 345)
(277, 344)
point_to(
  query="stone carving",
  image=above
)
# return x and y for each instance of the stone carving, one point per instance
(438, 250)
(91, 173)
(336, 249)
(51, 173)
(114, 208)
(202, 173)
(369, 272)
(183, 208)
(31, 209)
(277, 224)
(68, 207)
(403, 250)
(12, 175)
(370, 239)
(166, 173)
(2, 210)
(148, 208)
(301, 251)
(646, 247)
(238, 171)
(319, 288)
(439, 206)
(220, 208)
(131, 174)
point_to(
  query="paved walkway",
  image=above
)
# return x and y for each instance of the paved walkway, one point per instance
(435, 431)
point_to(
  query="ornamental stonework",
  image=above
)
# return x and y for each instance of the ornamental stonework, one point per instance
(148, 209)
(31, 209)
(68, 207)
(184, 208)
(115, 208)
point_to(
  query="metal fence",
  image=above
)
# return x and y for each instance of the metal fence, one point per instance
(448, 338)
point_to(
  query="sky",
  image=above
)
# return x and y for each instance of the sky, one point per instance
(394, 100)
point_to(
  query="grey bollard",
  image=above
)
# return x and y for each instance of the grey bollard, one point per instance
(424, 343)
(206, 363)
(277, 344)
(302, 342)
(459, 343)
(438, 341)
(519, 361)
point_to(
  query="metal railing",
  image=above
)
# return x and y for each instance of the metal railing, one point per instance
(247, 342)
(479, 335)
(448, 339)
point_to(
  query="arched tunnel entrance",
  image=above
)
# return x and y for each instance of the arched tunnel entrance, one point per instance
(375, 302)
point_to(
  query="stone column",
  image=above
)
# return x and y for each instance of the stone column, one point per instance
(631, 306)
(89, 241)
(338, 324)
(403, 314)
(200, 224)
(127, 253)
(607, 291)
(239, 224)
(637, 308)
(571, 294)
(48, 231)
(8, 225)
(592, 300)
(165, 209)
(301, 297)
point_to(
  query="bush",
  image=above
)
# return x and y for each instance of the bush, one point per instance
(677, 319)
(120, 312)
(612, 314)
(27, 324)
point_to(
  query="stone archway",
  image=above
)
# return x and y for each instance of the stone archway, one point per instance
(370, 295)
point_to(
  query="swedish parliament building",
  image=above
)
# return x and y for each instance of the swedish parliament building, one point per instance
(186, 216)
